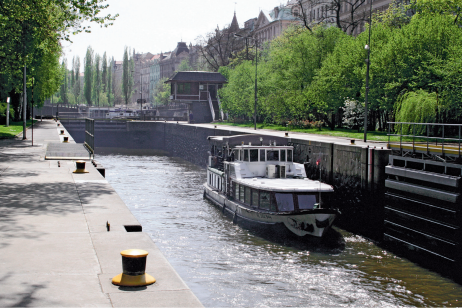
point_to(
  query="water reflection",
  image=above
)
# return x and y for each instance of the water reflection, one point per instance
(228, 265)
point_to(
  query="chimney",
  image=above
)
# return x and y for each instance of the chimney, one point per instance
(276, 12)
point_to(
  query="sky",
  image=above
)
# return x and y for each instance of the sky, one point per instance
(158, 25)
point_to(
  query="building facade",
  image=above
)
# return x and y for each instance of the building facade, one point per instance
(198, 90)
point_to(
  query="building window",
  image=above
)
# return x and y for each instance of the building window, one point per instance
(184, 88)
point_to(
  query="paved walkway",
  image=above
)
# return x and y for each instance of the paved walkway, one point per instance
(55, 249)
(295, 135)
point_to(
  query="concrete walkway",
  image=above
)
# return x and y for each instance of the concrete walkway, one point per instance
(55, 249)
(296, 135)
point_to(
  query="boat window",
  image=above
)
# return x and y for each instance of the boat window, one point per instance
(241, 193)
(285, 202)
(246, 155)
(255, 197)
(283, 155)
(306, 202)
(232, 171)
(253, 155)
(248, 195)
(289, 156)
(262, 155)
(241, 155)
(272, 155)
(265, 200)
(236, 191)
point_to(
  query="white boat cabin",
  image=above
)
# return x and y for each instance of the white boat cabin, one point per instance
(264, 177)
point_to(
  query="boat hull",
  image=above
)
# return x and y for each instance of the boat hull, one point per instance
(306, 223)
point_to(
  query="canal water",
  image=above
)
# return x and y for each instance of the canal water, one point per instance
(226, 265)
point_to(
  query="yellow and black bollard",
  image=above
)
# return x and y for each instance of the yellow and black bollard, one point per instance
(134, 269)
(80, 167)
(66, 139)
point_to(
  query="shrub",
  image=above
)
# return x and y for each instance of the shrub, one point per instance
(353, 114)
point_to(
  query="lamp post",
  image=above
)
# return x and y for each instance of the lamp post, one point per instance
(368, 63)
(256, 72)
(7, 111)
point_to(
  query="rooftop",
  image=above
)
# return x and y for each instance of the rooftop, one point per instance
(199, 76)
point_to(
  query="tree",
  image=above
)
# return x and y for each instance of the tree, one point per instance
(31, 30)
(127, 77)
(162, 92)
(77, 78)
(109, 82)
(88, 76)
(97, 78)
(353, 114)
(217, 47)
(104, 73)
(72, 74)
(185, 66)
(63, 89)
(314, 12)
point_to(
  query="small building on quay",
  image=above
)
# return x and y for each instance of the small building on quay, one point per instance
(197, 92)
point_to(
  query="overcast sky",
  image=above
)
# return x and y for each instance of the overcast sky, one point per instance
(155, 25)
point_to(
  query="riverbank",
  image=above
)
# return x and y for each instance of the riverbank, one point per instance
(15, 128)
(55, 246)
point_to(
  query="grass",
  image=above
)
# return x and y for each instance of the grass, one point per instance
(14, 129)
(339, 132)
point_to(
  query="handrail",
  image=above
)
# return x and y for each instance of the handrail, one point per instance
(448, 136)
(211, 105)
(90, 135)
(221, 109)
(438, 124)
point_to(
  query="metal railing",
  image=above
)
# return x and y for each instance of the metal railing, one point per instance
(437, 138)
(221, 110)
(90, 135)
(211, 105)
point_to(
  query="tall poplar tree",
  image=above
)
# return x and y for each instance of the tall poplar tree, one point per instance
(88, 80)
(72, 74)
(127, 77)
(77, 78)
(104, 73)
(97, 80)
(109, 82)
(63, 89)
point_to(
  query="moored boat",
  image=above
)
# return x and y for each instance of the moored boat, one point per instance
(261, 184)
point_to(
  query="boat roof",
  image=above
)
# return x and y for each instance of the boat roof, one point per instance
(286, 185)
(255, 139)
(254, 146)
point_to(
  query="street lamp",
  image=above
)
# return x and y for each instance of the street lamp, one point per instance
(368, 63)
(256, 71)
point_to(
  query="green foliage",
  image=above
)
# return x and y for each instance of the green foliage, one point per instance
(88, 76)
(419, 107)
(307, 75)
(127, 76)
(185, 66)
(162, 92)
(3, 107)
(30, 35)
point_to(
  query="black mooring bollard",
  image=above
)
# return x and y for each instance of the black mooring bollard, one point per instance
(80, 167)
(134, 269)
